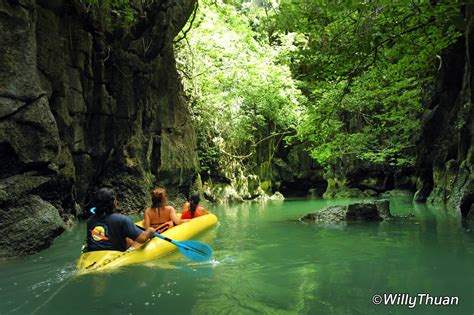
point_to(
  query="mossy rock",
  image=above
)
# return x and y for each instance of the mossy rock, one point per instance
(344, 193)
(266, 186)
(30, 215)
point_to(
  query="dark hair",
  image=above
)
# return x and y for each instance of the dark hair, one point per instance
(193, 202)
(158, 199)
(104, 202)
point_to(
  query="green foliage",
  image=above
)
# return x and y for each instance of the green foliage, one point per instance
(238, 93)
(364, 66)
(116, 13)
(348, 76)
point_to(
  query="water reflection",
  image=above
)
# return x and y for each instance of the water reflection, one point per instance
(265, 263)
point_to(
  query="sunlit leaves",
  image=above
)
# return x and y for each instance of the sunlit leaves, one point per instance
(116, 13)
(239, 92)
(364, 65)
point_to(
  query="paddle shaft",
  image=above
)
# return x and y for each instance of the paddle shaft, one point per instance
(166, 239)
(181, 245)
(193, 250)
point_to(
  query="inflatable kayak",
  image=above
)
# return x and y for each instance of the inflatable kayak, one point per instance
(108, 259)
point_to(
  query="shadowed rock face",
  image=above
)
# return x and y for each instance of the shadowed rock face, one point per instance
(445, 149)
(83, 105)
(372, 211)
(363, 212)
(366, 211)
(328, 215)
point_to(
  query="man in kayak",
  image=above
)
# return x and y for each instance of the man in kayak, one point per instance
(107, 230)
(192, 209)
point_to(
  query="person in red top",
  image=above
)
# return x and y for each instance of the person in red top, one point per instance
(192, 209)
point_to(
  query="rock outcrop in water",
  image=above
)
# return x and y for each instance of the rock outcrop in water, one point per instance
(84, 105)
(369, 211)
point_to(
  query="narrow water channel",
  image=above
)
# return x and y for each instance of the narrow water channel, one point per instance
(265, 263)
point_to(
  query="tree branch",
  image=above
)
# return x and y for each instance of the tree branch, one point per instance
(190, 24)
(254, 145)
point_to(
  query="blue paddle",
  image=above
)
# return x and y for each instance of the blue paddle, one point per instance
(193, 250)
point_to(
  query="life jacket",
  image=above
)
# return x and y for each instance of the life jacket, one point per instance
(164, 226)
(187, 214)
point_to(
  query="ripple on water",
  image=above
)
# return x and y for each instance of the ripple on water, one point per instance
(274, 268)
(37, 281)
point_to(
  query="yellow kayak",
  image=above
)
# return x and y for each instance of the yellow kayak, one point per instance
(154, 248)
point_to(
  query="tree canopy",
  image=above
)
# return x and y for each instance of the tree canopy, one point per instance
(347, 78)
(239, 92)
(365, 67)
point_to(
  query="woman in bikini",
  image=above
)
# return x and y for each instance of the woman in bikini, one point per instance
(160, 216)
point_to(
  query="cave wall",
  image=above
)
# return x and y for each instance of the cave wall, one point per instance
(445, 148)
(84, 104)
(289, 170)
(272, 169)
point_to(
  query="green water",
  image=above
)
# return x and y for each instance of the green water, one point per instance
(265, 263)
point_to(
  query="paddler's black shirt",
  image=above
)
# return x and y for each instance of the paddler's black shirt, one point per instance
(109, 232)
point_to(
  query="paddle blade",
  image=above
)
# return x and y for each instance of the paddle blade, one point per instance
(195, 251)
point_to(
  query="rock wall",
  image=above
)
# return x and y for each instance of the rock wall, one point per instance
(84, 104)
(445, 163)
(273, 170)
(444, 171)
(292, 171)
(355, 178)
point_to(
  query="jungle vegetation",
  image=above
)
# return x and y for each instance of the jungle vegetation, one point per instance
(348, 79)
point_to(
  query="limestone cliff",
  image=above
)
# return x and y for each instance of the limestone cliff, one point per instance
(83, 105)
(445, 159)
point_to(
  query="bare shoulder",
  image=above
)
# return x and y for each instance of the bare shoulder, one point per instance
(170, 208)
(202, 210)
